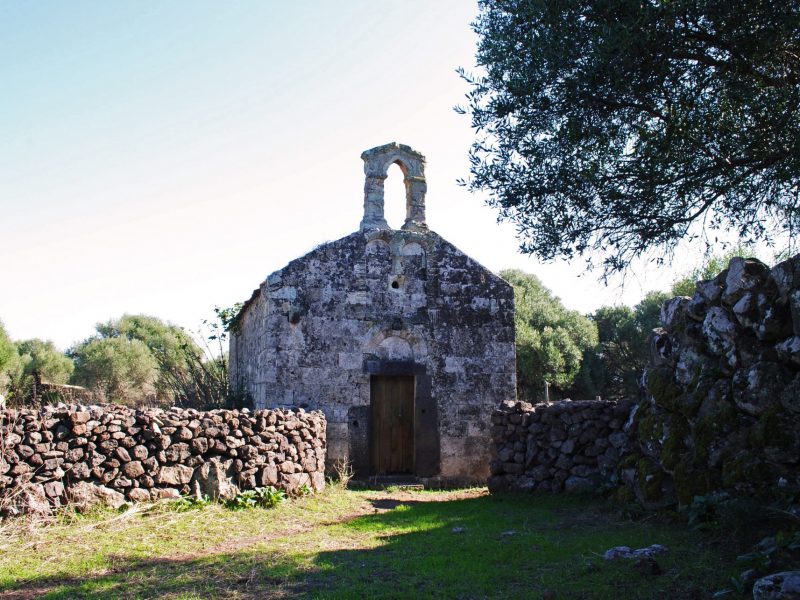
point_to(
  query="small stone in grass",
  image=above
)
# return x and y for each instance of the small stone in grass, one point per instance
(647, 565)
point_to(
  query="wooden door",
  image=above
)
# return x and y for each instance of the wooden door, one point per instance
(392, 424)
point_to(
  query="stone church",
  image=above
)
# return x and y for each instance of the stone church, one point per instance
(404, 342)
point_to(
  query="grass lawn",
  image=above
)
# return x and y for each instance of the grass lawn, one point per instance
(358, 544)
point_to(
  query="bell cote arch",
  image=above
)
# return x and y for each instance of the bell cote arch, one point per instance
(376, 164)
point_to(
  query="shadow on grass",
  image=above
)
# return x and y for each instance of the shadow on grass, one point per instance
(487, 547)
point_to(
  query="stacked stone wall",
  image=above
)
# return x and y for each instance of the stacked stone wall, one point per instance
(139, 455)
(723, 389)
(566, 445)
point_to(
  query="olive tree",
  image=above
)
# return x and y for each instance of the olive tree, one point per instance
(550, 339)
(606, 129)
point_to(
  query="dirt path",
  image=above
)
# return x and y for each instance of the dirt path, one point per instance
(377, 501)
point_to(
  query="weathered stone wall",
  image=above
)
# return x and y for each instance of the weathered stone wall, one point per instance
(723, 389)
(384, 302)
(566, 445)
(150, 454)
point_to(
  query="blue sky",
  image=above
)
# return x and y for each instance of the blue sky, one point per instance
(164, 157)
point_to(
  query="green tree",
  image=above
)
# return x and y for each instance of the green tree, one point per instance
(9, 359)
(43, 360)
(608, 128)
(172, 348)
(38, 361)
(122, 370)
(141, 359)
(550, 339)
(614, 367)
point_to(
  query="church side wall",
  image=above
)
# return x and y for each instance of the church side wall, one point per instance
(476, 360)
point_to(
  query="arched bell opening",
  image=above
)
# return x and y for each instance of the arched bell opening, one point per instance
(394, 190)
(377, 162)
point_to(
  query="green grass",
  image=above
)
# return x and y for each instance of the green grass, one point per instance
(360, 545)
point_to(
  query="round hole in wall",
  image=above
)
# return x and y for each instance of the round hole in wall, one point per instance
(395, 284)
(355, 423)
(423, 411)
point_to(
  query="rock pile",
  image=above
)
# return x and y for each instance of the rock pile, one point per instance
(723, 388)
(573, 446)
(113, 453)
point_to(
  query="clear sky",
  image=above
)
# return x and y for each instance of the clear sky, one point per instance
(165, 157)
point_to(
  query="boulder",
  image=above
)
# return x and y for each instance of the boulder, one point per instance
(578, 484)
(174, 475)
(778, 586)
(31, 501)
(744, 275)
(720, 331)
(139, 495)
(84, 495)
(786, 276)
(673, 311)
(133, 469)
(212, 479)
(178, 452)
(789, 350)
(710, 290)
(54, 489)
(758, 387)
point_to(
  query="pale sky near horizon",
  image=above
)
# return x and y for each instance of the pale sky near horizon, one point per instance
(165, 157)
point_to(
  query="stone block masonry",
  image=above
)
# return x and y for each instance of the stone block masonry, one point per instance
(142, 455)
(567, 445)
(403, 341)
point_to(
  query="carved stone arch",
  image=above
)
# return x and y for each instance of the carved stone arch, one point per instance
(376, 165)
(373, 342)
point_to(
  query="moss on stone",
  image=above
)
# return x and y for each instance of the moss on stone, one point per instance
(623, 495)
(708, 429)
(649, 428)
(744, 470)
(690, 481)
(697, 391)
(650, 479)
(662, 387)
(770, 432)
(674, 444)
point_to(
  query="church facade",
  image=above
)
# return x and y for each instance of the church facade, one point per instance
(403, 341)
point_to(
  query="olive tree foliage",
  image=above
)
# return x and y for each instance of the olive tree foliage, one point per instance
(140, 359)
(37, 361)
(173, 351)
(130, 359)
(9, 359)
(118, 369)
(606, 129)
(550, 339)
(613, 368)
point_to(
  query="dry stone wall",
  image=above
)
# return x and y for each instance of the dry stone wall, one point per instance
(117, 453)
(566, 445)
(723, 388)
